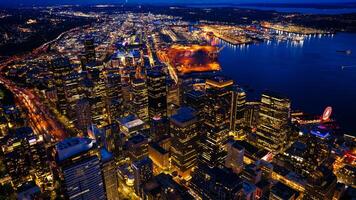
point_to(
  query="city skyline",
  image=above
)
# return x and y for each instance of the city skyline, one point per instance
(194, 102)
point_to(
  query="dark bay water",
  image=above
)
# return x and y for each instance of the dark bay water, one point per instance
(288, 9)
(309, 73)
(305, 10)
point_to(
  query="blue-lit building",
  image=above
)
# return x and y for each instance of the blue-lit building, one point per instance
(79, 169)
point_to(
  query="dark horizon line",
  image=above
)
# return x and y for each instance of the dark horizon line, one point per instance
(286, 4)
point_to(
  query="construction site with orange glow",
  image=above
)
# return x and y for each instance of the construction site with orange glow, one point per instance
(186, 59)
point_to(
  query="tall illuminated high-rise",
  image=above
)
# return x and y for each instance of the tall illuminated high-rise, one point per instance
(83, 114)
(274, 117)
(24, 155)
(217, 119)
(143, 172)
(238, 101)
(95, 91)
(114, 96)
(79, 169)
(109, 175)
(157, 95)
(89, 48)
(251, 114)
(139, 105)
(185, 131)
(73, 92)
(61, 68)
(196, 99)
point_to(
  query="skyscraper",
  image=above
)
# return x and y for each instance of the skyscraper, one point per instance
(238, 101)
(79, 169)
(235, 156)
(143, 172)
(174, 95)
(114, 96)
(139, 105)
(157, 95)
(73, 92)
(251, 114)
(61, 68)
(137, 147)
(274, 117)
(215, 183)
(321, 184)
(95, 90)
(217, 112)
(196, 99)
(109, 175)
(24, 152)
(89, 48)
(185, 130)
(83, 114)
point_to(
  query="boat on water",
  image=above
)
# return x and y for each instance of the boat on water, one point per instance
(348, 67)
(348, 52)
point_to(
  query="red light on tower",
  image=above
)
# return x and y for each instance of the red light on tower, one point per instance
(327, 113)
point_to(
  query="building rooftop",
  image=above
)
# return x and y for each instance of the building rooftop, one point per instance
(219, 81)
(24, 131)
(155, 74)
(196, 93)
(172, 189)
(248, 187)
(237, 146)
(158, 148)
(283, 191)
(298, 148)
(263, 184)
(275, 95)
(183, 116)
(320, 131)
(73, 146)
(138, 81)
(136, 139)
(145, 161)
(251, 150)
(105, 155)
(130, 121)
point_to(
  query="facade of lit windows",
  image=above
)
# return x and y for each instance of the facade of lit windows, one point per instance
(139, 105)
(274, 118)
(216, 125)
(185, 131)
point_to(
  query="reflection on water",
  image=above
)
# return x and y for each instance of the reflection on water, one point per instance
(288, 39)
(309, 71)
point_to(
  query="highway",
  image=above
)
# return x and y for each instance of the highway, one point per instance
(40, 119)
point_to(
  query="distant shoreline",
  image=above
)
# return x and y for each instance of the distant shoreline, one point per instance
(335, 5)
(281, 5)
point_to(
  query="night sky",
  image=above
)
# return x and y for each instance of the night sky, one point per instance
(44, 2)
